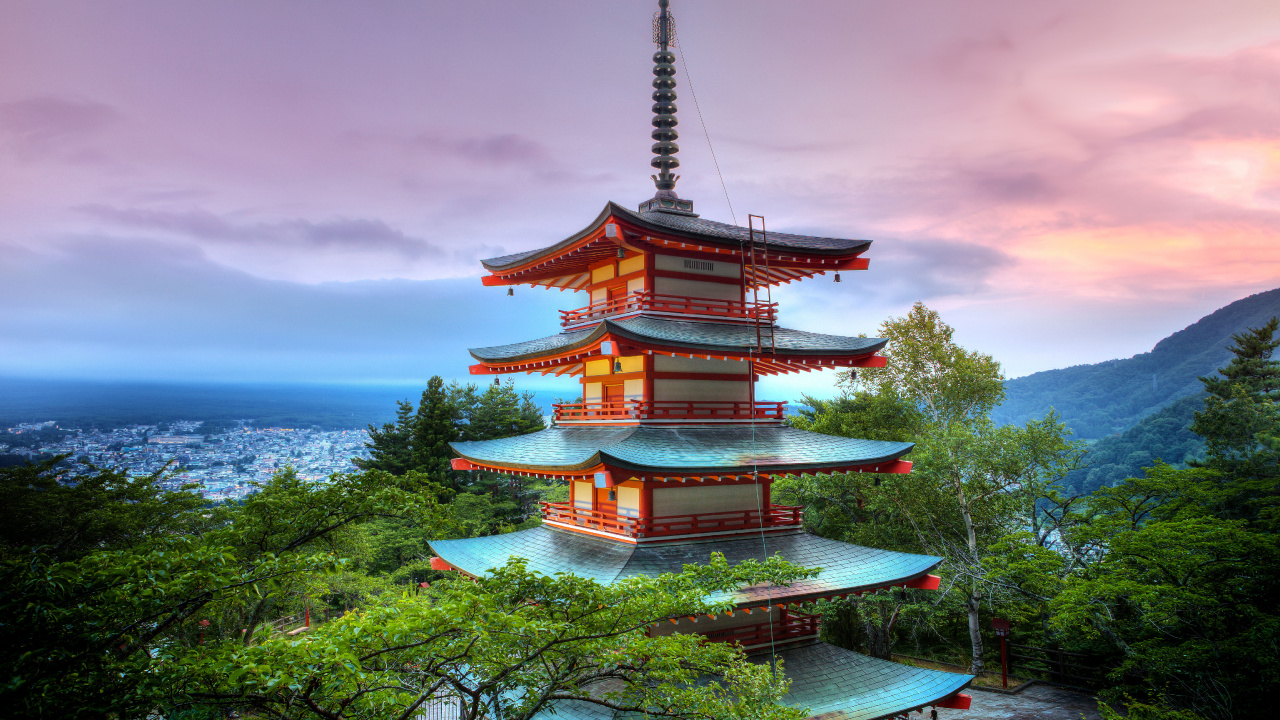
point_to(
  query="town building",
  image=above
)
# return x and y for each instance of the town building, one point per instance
(670, 456)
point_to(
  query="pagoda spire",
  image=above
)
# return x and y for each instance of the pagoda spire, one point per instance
(664, 119)
(664, 102)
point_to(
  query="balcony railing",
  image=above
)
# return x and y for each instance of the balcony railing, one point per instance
(660, 410)
(794, 625)
(645, 300)
(656, 527)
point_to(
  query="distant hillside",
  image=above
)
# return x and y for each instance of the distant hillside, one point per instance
(1163, 435)
(1110, 397)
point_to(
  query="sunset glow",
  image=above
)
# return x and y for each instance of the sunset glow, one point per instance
(1023, 167)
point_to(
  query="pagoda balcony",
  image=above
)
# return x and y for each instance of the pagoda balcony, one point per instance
(791, 627)
(673, 306)
(666, 411)
(672, 526)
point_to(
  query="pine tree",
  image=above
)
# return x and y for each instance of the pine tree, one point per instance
(1239, 422)
(1252, 367)
(502, 412)
(435, 426)
(389, 446)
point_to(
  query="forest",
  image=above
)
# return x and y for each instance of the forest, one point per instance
(1103, 399)
(318, 600)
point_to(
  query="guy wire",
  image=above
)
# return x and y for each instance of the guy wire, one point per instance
(707, 135)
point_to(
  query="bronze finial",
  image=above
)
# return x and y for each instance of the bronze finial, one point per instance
(664, 105)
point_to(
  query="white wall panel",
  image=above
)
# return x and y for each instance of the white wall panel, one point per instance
(666, 363)
(701, 390)
(697, 500)
(696, 289)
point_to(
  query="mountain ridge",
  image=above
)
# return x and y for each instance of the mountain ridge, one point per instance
(1110, 397)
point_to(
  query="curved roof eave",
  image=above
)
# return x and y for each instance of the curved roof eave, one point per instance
(621, 329)
(504, 262)
(849, 247)
(701, 450)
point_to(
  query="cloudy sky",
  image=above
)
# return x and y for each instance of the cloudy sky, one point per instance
(299, 190)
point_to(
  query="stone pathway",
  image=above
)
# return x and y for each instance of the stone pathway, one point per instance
(1038, 702)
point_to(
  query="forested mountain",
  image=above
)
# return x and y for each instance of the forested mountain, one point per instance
(1110, 397)
(1164, 435)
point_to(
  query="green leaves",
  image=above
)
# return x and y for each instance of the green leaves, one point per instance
(945, 382)
(525, 638)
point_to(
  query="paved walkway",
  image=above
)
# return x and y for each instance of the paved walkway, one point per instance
(1038, 702)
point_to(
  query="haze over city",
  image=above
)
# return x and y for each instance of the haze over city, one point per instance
(303, 191)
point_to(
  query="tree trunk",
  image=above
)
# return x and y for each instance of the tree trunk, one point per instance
(972, 603)
(879, 644)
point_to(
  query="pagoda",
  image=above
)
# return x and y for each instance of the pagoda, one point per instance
(669, 456)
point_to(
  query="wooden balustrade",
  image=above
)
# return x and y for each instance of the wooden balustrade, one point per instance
(644, 300)
(656, 527)
(667, 410)
(794, 625)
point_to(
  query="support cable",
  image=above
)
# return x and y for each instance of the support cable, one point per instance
(689, 78)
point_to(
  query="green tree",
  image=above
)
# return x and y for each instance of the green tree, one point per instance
(505, 646)
(1239, 416)
(1178, 571)
(390, 447)
(944, 382)
(177, 621)
(85, 634)
(435, 426)
(973, 483)
(67, 513)
(1189, 602)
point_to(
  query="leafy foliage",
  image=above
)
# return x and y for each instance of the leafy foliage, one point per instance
(419, 440)
(175, 617)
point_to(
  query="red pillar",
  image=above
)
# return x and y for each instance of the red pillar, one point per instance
(1004, 663)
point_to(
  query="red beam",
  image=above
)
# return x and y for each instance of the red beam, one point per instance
(870, 361)
(959, 701)
(925, 582)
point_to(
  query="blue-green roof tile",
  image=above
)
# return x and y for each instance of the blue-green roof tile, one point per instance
(831, 683)
(692, 227)
(845, 567)
(680, 449)
(692, 336)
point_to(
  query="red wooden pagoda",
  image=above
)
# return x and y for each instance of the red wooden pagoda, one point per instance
(669, 455)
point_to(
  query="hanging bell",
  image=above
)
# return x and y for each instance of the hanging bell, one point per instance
(512, 291)
(497, 382)
(622, 254)
(837, 277)
(617, 365)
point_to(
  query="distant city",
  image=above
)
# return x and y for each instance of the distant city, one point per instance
(223, 462)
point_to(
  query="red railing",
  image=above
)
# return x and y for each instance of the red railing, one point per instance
(647, 300)
(668, 410)
(650, 527)
(795, 625)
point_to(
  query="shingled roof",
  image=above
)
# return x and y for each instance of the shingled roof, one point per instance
(710, 449)
(845, 567)
(701, 230)
(708, 336)
(832, 683)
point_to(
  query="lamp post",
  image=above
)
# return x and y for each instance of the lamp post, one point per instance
(1001, 626)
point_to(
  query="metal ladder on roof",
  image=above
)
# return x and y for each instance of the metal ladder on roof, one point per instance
(751, 267)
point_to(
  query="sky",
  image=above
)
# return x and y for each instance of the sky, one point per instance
(302, 191)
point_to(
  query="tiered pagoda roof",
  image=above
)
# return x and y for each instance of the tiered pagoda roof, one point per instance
(834, 684)
(846, 569)
(698, 451)
(565, 264)
(669, 456)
